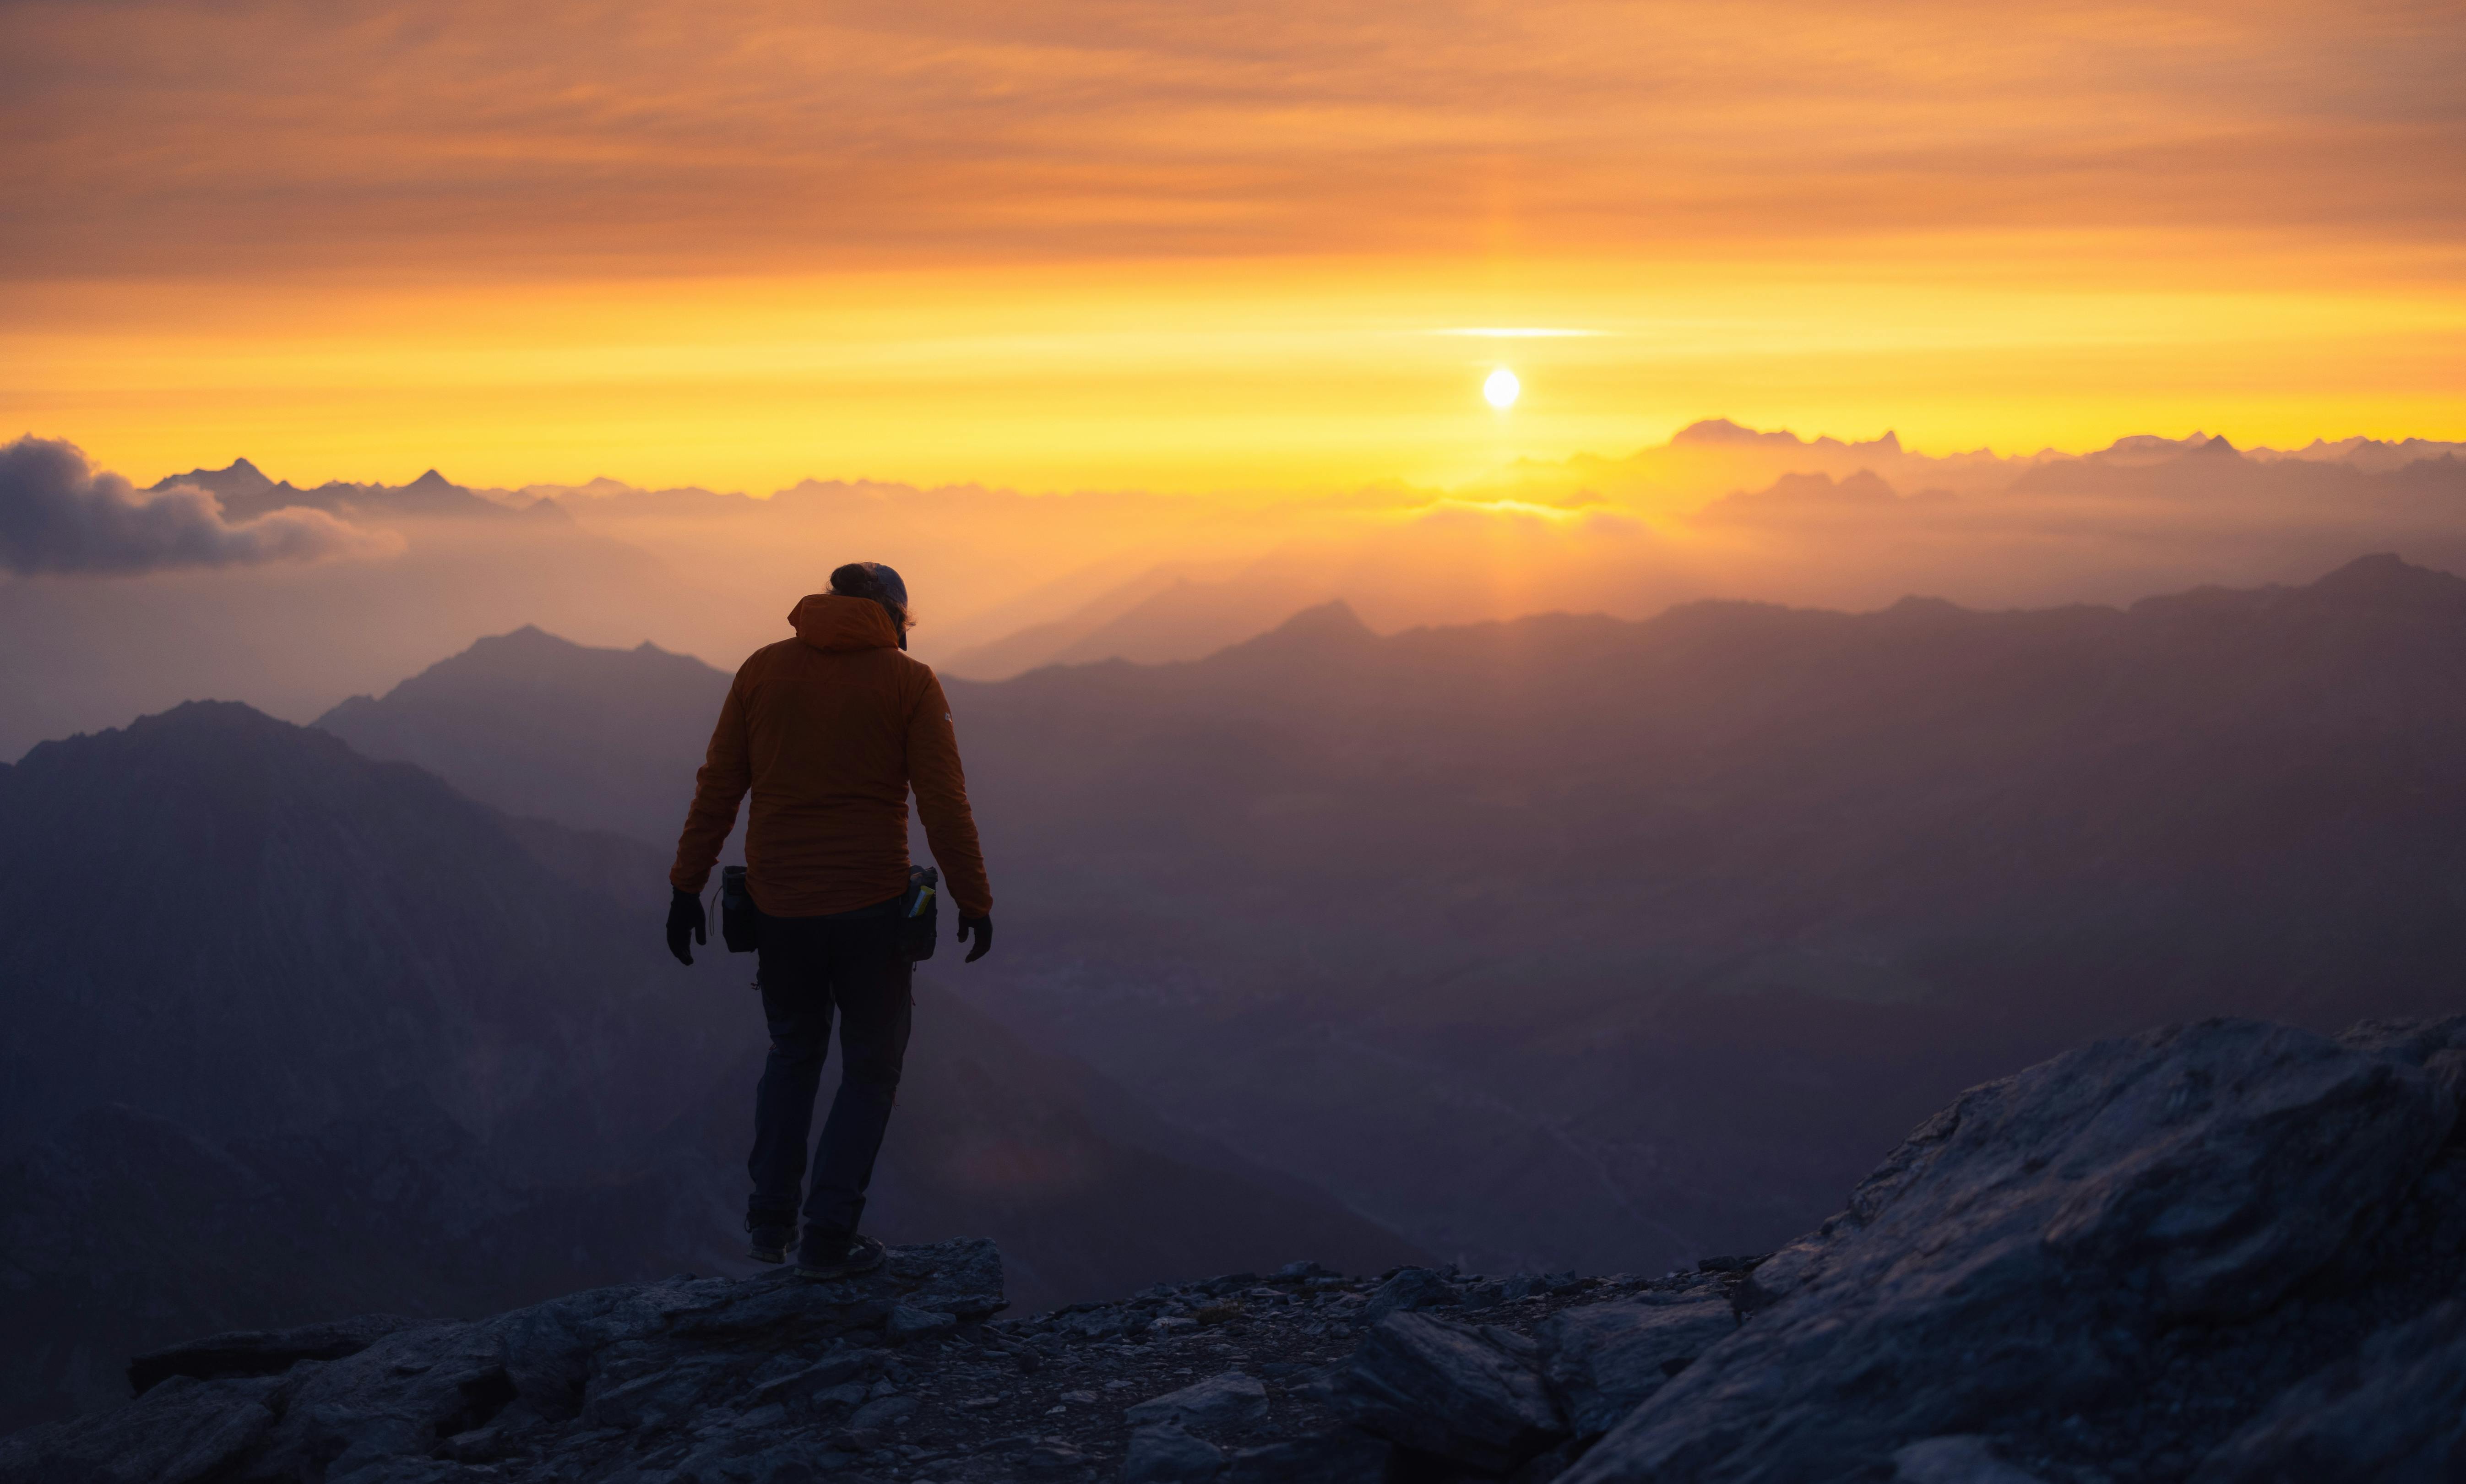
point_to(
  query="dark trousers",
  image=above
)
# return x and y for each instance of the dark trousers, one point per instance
(856, 963)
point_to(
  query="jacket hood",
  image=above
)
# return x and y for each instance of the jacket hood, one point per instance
(832, 622)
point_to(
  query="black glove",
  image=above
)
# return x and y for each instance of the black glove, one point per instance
(685, 921)
(983, 929)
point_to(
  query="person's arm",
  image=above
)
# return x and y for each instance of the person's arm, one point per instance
(942, 803)
(726, 773)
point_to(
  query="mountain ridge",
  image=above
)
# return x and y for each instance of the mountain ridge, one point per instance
(1564, 898)
(439, 1069)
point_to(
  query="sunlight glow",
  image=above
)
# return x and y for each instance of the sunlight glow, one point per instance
(1519, 332)
(1501, 389)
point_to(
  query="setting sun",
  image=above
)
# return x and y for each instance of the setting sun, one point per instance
(1502, 389)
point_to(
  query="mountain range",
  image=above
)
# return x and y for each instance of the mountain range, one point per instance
(295, 1032)
(1582, 941)
(1008, 580)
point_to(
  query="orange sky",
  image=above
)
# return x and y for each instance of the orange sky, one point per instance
(1198, 246)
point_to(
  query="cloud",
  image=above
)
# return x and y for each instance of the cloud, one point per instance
(59, 514)
(166, 138)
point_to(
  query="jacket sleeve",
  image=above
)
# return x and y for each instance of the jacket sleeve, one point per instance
(726, 773)
(942, 802)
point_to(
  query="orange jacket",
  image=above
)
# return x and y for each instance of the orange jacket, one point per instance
(829, 730)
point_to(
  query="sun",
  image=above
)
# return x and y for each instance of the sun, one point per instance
(1501, 389)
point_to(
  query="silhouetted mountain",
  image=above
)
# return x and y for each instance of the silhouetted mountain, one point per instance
(1719, 431)
(348, 929)
(294, 1031)
(1565, 902)
(1579, 942)
(242, 482)
(533, 725)
(246, 492)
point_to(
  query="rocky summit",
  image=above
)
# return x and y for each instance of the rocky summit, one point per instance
(2225, 1253)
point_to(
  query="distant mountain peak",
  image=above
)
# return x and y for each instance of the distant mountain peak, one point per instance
(191, 726)
(239, 480)
(1721, 431)
(1333, 620)
(1325, 628)
(530, 634)
(2386, 575)
(1717, 430)
(1917, 605)
(220, 714)
(432, 480)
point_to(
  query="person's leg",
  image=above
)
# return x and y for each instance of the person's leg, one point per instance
(796, 1003)
(869, 975)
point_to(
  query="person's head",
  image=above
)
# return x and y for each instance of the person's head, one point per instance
(874, 580)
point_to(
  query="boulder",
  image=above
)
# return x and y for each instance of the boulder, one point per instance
(1409, 1290)
(1603, 1360)
(1229, 1400)
(2012, 1261)
(883, 1413)
(1472, 1396)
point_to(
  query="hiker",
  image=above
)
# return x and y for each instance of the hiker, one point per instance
(830, 730)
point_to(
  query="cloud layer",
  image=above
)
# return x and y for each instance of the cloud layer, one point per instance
(773, 133)
(59, 514)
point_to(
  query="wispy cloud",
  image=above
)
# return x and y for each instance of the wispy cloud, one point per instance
(171, 138)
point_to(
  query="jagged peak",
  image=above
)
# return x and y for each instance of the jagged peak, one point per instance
(1722, 431)
(238, 478)
(530, 635)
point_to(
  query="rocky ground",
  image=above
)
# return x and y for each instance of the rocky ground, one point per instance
(2225, 1253)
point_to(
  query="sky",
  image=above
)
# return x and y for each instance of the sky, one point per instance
(1211, 248)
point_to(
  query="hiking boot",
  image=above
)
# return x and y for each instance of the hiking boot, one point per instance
(827, 1255)
(773, 1236)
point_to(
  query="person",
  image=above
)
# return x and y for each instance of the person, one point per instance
(829, 730)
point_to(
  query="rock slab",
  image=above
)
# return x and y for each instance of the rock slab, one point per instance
(1602, 1361)
(2018, 1258)
(1474, 1396)
(1220, 1402)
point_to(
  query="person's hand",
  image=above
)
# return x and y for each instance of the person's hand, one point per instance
(983, 930)
(685, 922)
